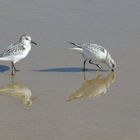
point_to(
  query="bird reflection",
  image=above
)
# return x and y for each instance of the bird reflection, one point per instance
(18, 91)
(95, 87)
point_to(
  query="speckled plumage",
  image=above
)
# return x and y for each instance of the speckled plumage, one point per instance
(13, 49)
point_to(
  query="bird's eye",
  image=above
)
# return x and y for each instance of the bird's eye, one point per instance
(26, 38)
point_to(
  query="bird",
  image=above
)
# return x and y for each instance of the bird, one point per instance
(94, 54)
(17, 51)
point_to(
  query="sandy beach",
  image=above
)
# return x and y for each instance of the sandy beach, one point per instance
(51, 98)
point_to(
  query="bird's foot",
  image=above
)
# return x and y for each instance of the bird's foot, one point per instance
(112, 70)
(12, 73)
(17, 70)
(100, 67)
(84, 69)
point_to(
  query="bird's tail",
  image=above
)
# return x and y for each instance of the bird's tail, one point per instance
(75, 44)
(4, 59)
(77, 47)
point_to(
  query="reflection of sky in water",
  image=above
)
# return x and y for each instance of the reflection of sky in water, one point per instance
(95, 87)
(18, 91)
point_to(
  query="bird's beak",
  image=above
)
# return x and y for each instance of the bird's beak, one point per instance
(33, 43)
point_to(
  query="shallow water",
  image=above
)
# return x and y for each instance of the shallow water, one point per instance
(51, 98)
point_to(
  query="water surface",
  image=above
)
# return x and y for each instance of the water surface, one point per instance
(65, 104)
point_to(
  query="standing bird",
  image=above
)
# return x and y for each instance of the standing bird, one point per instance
(94, 54)
(17, 51)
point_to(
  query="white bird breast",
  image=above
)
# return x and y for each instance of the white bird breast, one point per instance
(23, 53)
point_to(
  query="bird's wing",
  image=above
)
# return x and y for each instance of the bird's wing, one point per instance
(93, 47)
(13, 49)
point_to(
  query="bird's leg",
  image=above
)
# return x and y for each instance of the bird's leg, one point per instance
(90, 61)
(84, 64)
(14, 67)
(84, 76)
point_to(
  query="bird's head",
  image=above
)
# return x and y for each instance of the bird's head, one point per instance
(26, 39)
(110, 62)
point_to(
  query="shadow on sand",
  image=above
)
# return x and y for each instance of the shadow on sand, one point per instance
(68, 69)
(4, 68)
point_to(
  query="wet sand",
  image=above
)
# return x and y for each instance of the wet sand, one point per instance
(51, 98)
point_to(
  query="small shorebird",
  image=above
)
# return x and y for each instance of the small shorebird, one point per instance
(94, 54)
(17, 51)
